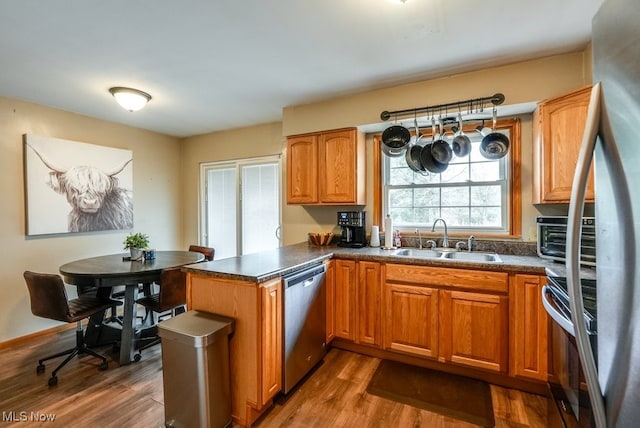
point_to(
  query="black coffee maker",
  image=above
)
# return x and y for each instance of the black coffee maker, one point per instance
(353, 229)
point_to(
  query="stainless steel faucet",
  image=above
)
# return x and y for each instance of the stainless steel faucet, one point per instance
(419, 239)
(470, 243)
(445, 240)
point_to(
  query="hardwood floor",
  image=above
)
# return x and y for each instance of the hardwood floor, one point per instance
(132, 396)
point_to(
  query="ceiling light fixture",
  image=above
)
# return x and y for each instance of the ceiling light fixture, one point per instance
(129, 98)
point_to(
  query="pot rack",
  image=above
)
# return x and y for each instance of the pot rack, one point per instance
(478, 103)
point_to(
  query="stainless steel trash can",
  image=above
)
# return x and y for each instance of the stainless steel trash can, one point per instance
(195, 370)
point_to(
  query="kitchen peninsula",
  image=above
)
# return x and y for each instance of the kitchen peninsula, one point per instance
(365, 289)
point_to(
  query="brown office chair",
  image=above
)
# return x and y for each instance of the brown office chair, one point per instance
(88, 290)
(207, 251)
(172, 298)
(49, 300)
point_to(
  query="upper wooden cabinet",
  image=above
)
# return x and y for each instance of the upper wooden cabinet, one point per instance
(326, 168)
(302, 169)
(558, 127)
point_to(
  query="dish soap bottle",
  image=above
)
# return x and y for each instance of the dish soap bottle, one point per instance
(397, 242)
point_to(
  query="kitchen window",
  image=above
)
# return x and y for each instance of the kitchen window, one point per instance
(240, 206)
(473, 195)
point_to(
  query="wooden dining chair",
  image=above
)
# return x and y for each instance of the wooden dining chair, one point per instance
(207, 251)
(49, 300)
(169, 301)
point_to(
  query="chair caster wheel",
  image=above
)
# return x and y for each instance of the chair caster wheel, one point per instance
(40, 368)
(103, 366)
(53, 381)
(137, 357)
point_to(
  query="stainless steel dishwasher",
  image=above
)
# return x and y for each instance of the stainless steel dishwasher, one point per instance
(304, 323)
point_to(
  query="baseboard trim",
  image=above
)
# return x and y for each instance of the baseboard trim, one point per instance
(49, 331)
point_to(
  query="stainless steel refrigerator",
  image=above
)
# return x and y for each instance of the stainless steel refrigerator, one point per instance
(612, 139)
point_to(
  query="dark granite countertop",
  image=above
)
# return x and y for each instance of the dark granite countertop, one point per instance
(266, 265)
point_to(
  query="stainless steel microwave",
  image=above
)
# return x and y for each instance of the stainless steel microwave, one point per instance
(552, 239)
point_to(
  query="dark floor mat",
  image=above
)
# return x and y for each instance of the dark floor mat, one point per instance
(451, 395)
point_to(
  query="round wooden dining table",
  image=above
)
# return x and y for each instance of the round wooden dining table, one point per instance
(114, 270)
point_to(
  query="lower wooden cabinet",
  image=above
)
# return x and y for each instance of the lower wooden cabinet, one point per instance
(453, 315)
(255, 348)
(411, 319)
(271, 321)
(358, 301)
(474, 329)
(369, 304)
(486, 320)
(529, 328)
(345, 301)
(330, 284)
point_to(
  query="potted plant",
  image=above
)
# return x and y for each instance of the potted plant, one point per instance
(136, 242)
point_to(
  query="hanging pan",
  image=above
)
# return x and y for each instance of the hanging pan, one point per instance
(440, 148)
(494, 145)
(413, 152)
(426, 155)
(461, 144)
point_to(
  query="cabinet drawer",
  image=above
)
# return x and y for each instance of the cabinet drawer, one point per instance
(457, 278)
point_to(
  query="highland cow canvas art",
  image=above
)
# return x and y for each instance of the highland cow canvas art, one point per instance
(76, 187)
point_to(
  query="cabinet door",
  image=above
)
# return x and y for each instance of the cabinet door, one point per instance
(369, 304)
(331, 300)
(302, 169)
(411, 319)
(346, 277)
(339, 167)
(474, 329)
(271, 340)
(529, 327)
(558, 129)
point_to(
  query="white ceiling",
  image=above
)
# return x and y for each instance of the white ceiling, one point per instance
(220, 64)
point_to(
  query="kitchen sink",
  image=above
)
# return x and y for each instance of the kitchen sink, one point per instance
(448, 254)
(472, 257)
(417, 253)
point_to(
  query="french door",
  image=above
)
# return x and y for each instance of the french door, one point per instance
(241, 206)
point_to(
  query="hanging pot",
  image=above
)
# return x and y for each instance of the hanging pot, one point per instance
(440, 149)
(396, 137)
(494, 145)
(461, 144)
(393, 153)
(413, 153)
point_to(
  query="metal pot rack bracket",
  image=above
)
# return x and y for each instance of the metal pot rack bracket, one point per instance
(495, 99)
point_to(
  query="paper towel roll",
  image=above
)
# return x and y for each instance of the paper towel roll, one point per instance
(388, 232)
(375, 236)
